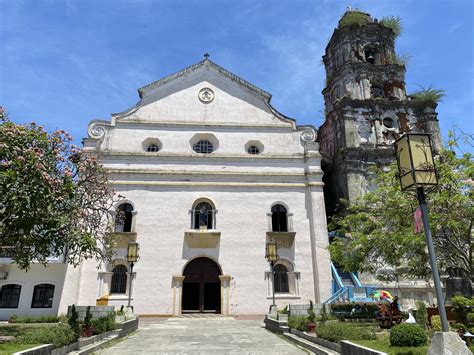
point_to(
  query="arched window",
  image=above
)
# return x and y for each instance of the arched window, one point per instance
(203, 146)
(123, 219)
(43, 295)
(203, 216)
(119, 279)
(10, 296)
(279, 219)
(281, 278)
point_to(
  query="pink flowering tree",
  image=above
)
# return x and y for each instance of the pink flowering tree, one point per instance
(55, 199)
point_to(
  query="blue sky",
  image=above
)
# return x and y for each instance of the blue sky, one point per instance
(63, 63)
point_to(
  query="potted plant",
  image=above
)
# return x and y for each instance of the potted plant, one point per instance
(311, 325)
(120, 315)
(87, 330)
(283, 314)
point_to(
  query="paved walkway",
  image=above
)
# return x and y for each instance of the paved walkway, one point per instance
(202, 336)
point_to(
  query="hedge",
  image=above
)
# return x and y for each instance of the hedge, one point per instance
(41, 319)
(58, 335)
(354, 310)
(298, 322)
(336, 331)
(408, 335)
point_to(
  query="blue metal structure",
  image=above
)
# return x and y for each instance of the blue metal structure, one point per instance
(346, 287)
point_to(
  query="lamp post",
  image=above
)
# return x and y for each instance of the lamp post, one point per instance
(132, 257)
(271, 254)
(416, 171)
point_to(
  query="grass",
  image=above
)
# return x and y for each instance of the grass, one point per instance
(19, 329)
(384, 345)
(10, 348)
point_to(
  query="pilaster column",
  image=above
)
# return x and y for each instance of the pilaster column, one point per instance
(177, 285)
(225, 294)
(105, 278)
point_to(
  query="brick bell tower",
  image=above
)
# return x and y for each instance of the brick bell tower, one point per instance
(366, 106)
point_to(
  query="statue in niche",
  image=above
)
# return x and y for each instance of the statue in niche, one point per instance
(203, 216)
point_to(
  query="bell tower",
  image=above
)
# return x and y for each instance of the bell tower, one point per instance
(366, 106)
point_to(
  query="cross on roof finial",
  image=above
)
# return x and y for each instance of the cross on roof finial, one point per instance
(206, 55)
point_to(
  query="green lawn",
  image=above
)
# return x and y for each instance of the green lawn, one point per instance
(19, 329)
(10, 348)
(384, 345)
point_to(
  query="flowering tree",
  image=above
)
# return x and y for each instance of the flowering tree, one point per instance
(55, 199)
(377, 231)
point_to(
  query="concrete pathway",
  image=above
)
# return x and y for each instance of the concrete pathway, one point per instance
(202, 336)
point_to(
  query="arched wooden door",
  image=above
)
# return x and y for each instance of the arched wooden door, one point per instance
(201, 287)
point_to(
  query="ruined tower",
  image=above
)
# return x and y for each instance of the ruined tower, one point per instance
(366, 106)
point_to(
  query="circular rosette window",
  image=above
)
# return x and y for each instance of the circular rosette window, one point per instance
(206, 95)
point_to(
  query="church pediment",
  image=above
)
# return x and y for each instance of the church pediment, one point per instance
(204, 93)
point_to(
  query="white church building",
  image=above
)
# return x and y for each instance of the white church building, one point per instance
(210, 172)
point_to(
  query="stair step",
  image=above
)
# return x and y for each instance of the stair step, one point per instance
(314, 348)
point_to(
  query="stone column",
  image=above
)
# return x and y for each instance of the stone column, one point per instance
(322, 276)
(177, 285)
(225, 294)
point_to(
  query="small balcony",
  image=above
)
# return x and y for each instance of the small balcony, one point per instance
(202, 238)
(121, 239)
(283, 239)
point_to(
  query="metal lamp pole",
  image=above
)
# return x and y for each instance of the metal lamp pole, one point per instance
(416, 170)
(132, 257)
(271, 254)
(434, 267)
(130, 285)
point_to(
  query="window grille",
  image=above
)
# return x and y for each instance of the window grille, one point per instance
(123, 218)
(153, 148)
(376, 91)
(253, 150)
(203, 146)
(119, 279)
(10, 296)
(43, 295)
(203, 216)
(281, 278)
(279, 219)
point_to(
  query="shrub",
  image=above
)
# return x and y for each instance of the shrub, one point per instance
(73, 321)
(104, 324)
(88, 318)
(42, 319)
(470, 317)
(283, 311)
(393, 22)
(428, 94)
(421, 314)
(121, 311)
(311, 314)
(324, 314)
(436, 323)
(344, 331)
(58, 335)
(298, 322)
(354, 18)
(408, 335)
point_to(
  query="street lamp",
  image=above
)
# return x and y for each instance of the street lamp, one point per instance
(416, 171)
(271, 254)
(132, 257)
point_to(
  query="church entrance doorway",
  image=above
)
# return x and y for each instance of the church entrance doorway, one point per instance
(201, 287)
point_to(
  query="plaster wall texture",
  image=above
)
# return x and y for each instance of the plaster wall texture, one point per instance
(53, 274)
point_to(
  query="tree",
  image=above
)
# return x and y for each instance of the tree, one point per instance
(55, 198)
(377, 231)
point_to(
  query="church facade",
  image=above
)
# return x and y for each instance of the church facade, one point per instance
(209, 172)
